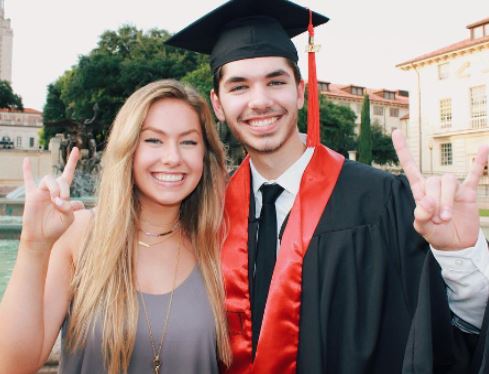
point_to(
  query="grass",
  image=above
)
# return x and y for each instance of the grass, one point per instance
(484, 212)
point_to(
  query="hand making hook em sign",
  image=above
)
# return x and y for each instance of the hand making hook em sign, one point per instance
(446, 213)
(48, 210)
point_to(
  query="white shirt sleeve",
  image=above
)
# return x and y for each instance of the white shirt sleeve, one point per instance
(466, 274)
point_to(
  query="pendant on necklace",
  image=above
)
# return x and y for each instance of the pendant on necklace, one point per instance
(156, 364)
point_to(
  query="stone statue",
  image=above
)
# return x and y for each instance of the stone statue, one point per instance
(89, 142)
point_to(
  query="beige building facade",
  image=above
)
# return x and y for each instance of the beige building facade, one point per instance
(387, 107)
(448, 118)
(6, 43)
(20, 129)
(42, 163)
(11, 167)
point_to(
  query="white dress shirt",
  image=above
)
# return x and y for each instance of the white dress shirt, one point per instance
(466, 271)
(290, 180)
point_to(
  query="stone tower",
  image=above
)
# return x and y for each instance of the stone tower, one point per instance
(6, 38)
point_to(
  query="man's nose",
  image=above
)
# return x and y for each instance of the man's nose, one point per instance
(259, 98)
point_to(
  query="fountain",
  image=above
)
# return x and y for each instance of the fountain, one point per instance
(88, 167)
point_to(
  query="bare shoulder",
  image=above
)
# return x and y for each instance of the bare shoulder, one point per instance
(74, 237)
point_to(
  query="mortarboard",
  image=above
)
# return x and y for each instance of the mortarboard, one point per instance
(242, 29)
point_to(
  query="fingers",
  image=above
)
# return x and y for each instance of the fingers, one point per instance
(64, 188)
(49, 184)
(437, 205)
(423, 214)
(69, 170)
(29, 184)
(477, 169)
(408, 164)
(77, 205)
(449, 188)
(59, 191)
(433, 192)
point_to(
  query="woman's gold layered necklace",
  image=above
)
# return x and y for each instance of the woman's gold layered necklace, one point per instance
(165, 234)
(157, 351)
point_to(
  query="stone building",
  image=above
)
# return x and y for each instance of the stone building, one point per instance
(6, 40)
(20, 129)
(387, 107)
(448, 110)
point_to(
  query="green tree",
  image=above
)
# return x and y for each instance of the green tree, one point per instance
(383, 151)
(200, 79)
(54, 109)
(365, 137)
(337, 125)
(123, 61)
(8, 98)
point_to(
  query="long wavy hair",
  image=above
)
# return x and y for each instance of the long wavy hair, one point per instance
(103, 286)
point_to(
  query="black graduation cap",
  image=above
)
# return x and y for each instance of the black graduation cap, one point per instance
(241, 29)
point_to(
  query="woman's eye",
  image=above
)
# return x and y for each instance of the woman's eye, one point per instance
(189, 142)
(153, 140)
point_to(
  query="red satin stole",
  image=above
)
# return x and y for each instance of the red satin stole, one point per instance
(279, 337)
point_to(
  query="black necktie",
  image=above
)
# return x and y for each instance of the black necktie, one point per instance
(265, 257)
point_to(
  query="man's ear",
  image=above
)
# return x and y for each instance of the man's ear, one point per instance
(216, 105)
(300, 94)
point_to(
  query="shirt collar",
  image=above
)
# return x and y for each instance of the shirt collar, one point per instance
(290, 179)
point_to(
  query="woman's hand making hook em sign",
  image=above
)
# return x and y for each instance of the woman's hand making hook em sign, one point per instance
(48, 210)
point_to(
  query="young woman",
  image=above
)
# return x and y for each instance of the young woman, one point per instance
(134, 284)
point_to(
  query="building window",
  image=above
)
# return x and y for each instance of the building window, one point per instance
(443, 71)
(445, 113)
(378, 110)
(478, 107)
(446, 154)
(394, 112)
(18, 142)
(389, 95)
(357, 91)
(477, 32)
(323, 86)
(31, 142)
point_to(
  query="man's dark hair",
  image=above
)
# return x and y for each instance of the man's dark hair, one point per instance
(218, 75)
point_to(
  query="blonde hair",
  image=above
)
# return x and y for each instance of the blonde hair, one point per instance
(104, 280)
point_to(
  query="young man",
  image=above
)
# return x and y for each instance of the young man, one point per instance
(324, 270)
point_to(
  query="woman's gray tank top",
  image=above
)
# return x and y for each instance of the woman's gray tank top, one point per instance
(189, 345)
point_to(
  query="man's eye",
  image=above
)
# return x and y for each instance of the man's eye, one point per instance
(237, 88)
(276, 83)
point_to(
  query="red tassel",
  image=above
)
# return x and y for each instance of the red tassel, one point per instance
(313, 135)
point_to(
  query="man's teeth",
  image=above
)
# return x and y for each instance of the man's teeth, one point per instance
(262, 122)
(163, 177)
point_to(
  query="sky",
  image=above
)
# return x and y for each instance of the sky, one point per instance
(361, 44)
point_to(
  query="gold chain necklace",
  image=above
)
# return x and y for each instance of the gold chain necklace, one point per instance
(156, 353)
(148, 245)
(158, 234)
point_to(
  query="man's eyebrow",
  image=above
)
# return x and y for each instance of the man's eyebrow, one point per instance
(278, 73)
(273, 74)
(235, 79)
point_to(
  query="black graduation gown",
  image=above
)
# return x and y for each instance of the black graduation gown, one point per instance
(373, 299)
